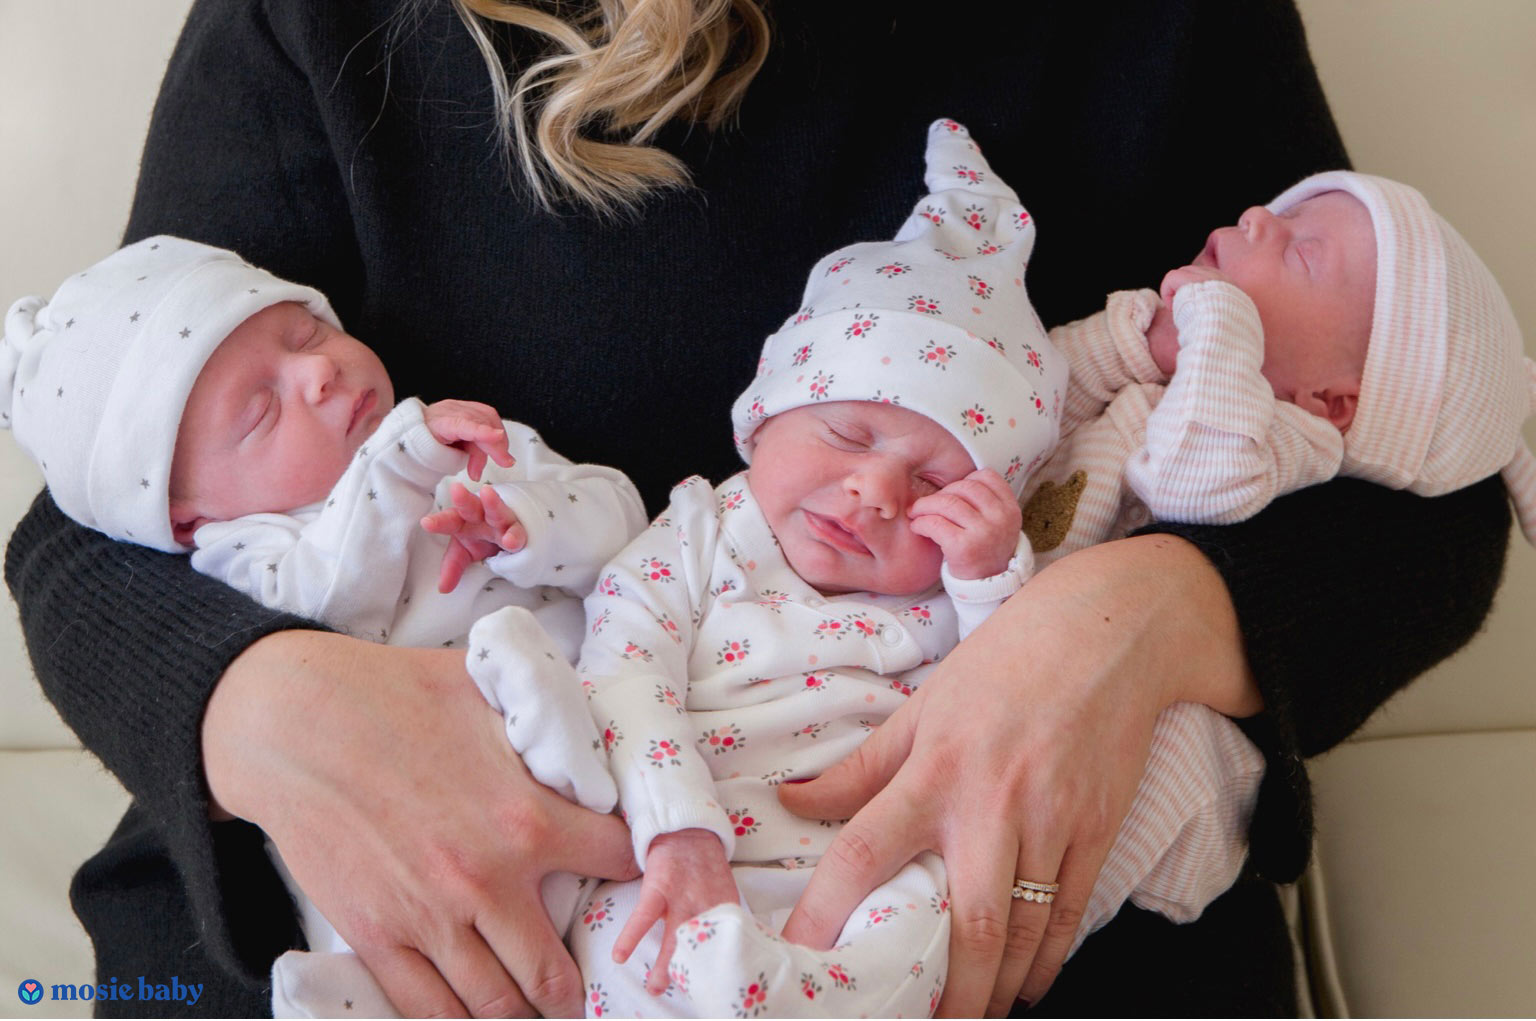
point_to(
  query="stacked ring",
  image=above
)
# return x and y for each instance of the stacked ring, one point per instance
(1040, 893)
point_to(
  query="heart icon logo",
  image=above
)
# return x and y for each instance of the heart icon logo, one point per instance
(30, 991)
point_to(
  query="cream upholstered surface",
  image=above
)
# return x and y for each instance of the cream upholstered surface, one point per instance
(1438, 788)
(1426, 854)
(60, 805)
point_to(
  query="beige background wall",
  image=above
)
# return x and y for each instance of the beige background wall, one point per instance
(1440, 95)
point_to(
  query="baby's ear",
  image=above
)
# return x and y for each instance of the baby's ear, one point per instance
(185, 521)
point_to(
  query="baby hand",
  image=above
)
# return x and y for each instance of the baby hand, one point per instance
(1176, 278)
(685, 874)
(478, 526)
(975, 521)
(473, 428)
(1162, 334)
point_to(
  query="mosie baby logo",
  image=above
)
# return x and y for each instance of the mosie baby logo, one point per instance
(30, 992)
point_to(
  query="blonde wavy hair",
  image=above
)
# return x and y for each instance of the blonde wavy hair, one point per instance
(579, 123)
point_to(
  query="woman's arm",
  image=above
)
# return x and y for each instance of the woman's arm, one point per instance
(1074, 671)
(398, 804)
(1389, 585)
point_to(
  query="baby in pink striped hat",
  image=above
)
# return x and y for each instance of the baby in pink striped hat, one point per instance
(1343, 329)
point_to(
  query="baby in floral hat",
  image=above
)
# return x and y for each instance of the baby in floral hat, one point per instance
(1343, 329)
(761, 628)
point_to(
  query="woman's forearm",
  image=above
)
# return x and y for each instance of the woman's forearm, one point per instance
(1345, 592)
(1163, 593)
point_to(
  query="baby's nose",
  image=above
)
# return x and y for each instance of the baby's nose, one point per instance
(879, 490)
(316, 374)
(1256, 221)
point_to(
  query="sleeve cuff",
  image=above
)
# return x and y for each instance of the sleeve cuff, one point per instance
(1128, 316)
(999, 586)
(670, 817)
(406, 427)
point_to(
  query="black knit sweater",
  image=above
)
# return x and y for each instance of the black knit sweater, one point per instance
(324, 146)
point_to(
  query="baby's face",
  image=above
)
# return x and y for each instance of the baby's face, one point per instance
(835, 481)
(1311, 272)
(274, 418)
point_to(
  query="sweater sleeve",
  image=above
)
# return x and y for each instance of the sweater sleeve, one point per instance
(126, 642)
(1385, 585)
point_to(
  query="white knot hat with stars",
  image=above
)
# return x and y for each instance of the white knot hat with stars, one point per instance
(936, 321)
(93, 382)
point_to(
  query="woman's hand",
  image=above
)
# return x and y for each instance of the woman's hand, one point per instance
(389, 787)
(1019, 758)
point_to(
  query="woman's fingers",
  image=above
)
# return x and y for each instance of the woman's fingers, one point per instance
(876, 842)
(589, 844)
(851, 784)
(413, 985)
(422, 830)
(981, 872)
(1079, 871)
(521, 937)
(870, 849)
(1031, 923)
(489, 978)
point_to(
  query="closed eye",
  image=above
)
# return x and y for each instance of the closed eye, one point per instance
(1312, 254)
(843, 441)
(261, 415)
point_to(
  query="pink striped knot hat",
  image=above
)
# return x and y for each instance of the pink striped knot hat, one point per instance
(1447, 385)
(93, 381)
(936, 320)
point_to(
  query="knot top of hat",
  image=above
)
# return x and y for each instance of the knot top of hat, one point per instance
(93, 382)
(936, 320)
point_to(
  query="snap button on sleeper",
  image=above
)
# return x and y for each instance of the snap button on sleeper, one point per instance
(889, 635)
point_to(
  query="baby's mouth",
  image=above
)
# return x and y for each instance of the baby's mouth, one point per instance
(360, 410)
(836, 534)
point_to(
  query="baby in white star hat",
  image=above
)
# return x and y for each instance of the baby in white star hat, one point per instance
(177, 397)
(1343, 329)
(760, 628)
